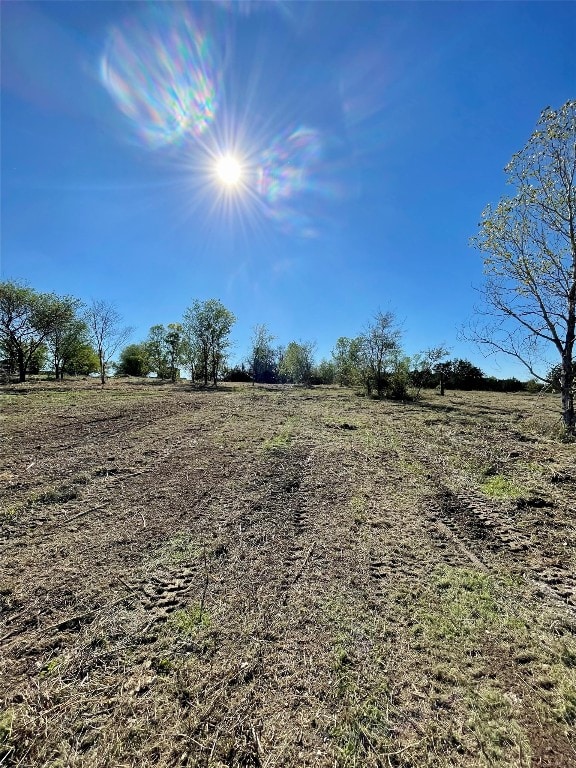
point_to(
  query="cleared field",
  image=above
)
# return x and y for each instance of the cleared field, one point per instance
(285, 577)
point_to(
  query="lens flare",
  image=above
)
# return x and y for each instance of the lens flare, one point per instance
(159, 68)
(229, 170)
(288, 178)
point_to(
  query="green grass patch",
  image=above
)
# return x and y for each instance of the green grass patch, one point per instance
(280, 441)
(6, 725)
(188, 621)
(492, 721)
(467, 604)
(180, 550)
(498, 487)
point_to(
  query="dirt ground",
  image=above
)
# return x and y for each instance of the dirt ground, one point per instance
(268, 576)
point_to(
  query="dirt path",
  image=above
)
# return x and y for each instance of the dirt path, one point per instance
(270, 577)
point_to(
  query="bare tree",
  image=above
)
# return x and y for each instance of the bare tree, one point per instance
(107, 334)
(529, 242)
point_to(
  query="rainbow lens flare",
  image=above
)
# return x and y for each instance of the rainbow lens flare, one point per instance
(287, 173)
(159, 68)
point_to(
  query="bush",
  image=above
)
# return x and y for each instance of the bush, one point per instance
(399, 380)
(236, 374)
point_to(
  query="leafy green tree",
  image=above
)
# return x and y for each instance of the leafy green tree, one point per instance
(82, 361)
(262, 360)
(28, 319)
(237, 373)
(166, 349)
(192, 357)
(206, 327)
(324, 372)
(529, 247)
(347, 359)
(106, 332)
(398, 379)
(158, 352)
(37, 362)
(133, 361)
(64, 344)
(175, 344)
(297, 362)
(379, 348)
(464, 375)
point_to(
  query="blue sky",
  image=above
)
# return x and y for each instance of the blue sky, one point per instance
(370, 136)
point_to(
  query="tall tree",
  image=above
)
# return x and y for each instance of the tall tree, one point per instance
(379, 345)
(175, 344)
(82, 361)
(262, 360)
(28, 319)
(324, 372)
(529, 247)
(207, 326)
(157, 351)
(106, 332)
(347, 361)
(297, 362)
(64, 343)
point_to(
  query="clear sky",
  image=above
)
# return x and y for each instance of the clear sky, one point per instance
(364, 140)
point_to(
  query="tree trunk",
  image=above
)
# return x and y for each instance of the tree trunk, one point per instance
(21, 366)
(442, 383)
(567, 390)
(102, 370)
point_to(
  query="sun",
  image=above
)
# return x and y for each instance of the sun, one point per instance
(229, 171)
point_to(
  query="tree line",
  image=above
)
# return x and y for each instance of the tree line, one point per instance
(46, 332)
(528, 242)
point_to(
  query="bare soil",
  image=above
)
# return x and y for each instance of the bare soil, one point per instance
(268, 576)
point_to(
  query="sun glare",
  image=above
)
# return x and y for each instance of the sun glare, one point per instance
(228, 171)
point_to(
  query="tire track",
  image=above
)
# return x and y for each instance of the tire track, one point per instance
(479, 532)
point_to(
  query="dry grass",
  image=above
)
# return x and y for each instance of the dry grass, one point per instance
(262, 576)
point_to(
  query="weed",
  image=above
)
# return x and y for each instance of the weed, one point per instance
(470, 602)
(498, 487)
(281, 440)
(561, 433)
(54, 496)
(6, 724)
(9, 514)
(568, 657)
(445, 674)
(163, 665)
(358, 507)
(51, 666)
(364, 730)
(567, 705)
(82, 478)
(178, 550)
(188, 621)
